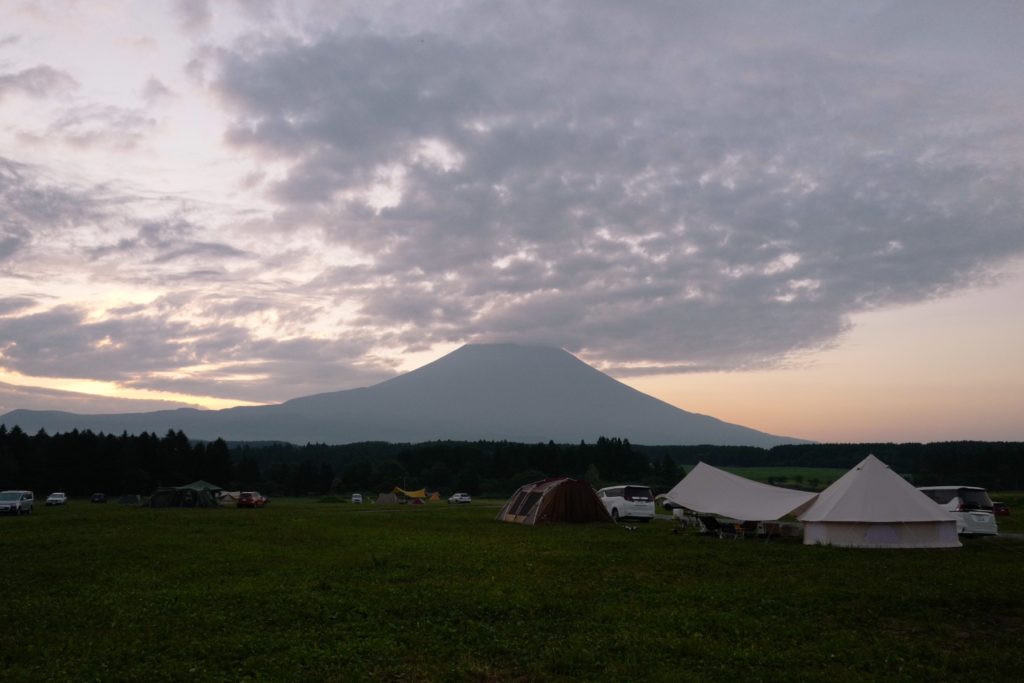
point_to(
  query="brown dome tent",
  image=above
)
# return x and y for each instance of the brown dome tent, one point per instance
(554, 500)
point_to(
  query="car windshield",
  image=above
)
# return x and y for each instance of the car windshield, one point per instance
(639, 493)
(10, 495)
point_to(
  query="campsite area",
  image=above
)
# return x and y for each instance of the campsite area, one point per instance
(307, 590)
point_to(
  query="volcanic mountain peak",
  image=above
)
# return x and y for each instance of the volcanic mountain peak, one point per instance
(479, 391)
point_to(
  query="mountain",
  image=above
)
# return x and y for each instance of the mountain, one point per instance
(480, 391)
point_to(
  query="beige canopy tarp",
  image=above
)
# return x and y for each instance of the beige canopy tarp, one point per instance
(421, 493)
(713, 491)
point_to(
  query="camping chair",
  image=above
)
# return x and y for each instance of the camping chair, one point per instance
(715, 528)
(683, 521)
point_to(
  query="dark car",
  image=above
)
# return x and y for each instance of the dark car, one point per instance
(99, 498)
(999, 508)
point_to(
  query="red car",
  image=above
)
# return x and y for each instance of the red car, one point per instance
(251, 499)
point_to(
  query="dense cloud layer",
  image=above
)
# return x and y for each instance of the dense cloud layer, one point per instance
(192, 339)
(662, 187)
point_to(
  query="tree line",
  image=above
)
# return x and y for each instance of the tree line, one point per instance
(995, 465)
(81, 462)
(481, 467)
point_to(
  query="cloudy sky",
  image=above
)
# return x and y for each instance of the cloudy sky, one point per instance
(807, 218)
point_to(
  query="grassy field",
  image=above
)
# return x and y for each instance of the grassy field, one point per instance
(806, 477)
(1014, 523)
(310, 591)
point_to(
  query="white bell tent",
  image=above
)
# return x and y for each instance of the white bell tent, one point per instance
(873, 507)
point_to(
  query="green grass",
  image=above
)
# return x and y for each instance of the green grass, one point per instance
(306, 591)
(1014, 522)
(807, 477)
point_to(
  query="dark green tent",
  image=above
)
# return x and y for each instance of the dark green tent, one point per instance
(202, 485)
(198, 494)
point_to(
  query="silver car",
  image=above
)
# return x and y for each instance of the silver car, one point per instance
(57, 498)
(16, 502)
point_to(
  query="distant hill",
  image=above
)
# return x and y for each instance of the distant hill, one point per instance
(480, 391)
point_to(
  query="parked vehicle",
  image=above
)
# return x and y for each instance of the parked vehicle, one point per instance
(969, 504)
(251, 499)
(357, 498)
(460, 498)
(98, 498)
(16, 502)
(57, 498)
(1000, 509)
(631, 501)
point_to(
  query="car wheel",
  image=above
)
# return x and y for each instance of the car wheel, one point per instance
(615, 516)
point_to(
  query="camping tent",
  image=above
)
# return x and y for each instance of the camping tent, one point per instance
(873, 507)
(554, 500)
(386, 499)
(202, 485)
(181, 497)
(420, 493)
(713, 491)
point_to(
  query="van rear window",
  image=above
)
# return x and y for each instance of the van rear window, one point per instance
(975, 500)
(941, 496)
(639, 493)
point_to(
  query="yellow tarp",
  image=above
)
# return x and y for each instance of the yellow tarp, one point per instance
(422, 493)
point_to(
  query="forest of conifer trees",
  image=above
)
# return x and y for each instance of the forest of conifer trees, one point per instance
(81, 462)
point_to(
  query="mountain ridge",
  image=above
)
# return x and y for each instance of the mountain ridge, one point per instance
(477, 392)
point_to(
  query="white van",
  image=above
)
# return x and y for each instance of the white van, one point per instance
(969, 504)
(630, 501)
